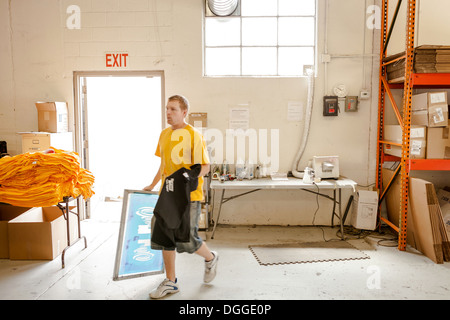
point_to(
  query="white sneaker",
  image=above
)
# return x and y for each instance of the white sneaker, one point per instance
(210, 268)
(166, 287)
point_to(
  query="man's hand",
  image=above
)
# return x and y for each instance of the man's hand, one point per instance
(149, 188)
(155, 181)
(205, 170)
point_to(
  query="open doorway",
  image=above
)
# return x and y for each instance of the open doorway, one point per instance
(120, 118)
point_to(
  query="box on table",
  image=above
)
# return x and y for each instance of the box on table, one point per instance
(41, 141)
(7, 213)
(418, 141)
(198, 119)
(38, 234)
(365, 210)
(438, 141)
(52, 117)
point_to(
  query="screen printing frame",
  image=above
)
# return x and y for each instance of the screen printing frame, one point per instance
(142, 235)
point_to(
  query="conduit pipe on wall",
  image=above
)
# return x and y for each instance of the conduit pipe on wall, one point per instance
(306, 127)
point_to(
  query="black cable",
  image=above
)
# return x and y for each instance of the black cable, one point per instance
(314, 216)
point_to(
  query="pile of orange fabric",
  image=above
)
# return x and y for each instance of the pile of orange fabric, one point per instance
(43, 179)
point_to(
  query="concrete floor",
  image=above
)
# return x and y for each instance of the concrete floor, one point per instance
(388, 274)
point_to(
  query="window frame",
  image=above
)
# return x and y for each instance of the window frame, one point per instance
(240, 16)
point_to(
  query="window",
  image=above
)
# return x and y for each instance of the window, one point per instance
(261, 38)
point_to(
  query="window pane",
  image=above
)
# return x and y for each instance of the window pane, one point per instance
(259, 8)
(259, 31)
(222, 61)
(291, 60)
(297, 8)
(296, 31)
(222, 32)
(259, 61)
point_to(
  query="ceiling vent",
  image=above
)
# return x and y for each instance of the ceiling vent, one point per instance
(222, 8)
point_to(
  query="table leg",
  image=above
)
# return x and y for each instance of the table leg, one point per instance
(212, 200)
(66, 213)
(66, 209)
(218, 213)
(334, 208)
(340, 214)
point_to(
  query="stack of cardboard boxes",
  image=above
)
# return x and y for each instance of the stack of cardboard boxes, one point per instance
(429, 137)
(53, 129)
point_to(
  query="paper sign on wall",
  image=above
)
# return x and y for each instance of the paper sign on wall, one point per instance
(240, 117)
(295, 111)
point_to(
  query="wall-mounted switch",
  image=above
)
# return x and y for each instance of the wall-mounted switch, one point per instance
(330, 106)
(364, 94)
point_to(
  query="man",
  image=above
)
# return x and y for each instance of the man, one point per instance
(181, 146)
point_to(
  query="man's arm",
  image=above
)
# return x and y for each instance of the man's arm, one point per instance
(205, 169)
(155, 180)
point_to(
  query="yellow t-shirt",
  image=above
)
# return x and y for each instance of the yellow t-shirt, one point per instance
(182, 148)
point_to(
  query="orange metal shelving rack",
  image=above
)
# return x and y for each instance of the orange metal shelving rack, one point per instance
(418, 80)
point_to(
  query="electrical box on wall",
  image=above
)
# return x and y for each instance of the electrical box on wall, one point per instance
(351, 103)
(330, 106)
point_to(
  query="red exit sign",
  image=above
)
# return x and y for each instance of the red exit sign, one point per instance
(116, 60)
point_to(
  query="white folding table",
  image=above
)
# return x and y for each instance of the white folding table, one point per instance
(291, 183)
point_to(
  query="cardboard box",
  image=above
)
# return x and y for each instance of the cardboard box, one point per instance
(438, 115)
(419, 102)
(424, 101)
(365, 208)
(435, 103)
(444, 202)
(52, 117)
(430, 233)
(41, 141)
(443, 197)
(7, 213)
(435, 98)
(37, 234)
(438, 141)
(198, 119)
(418, 142)
(419, 118)
(392, 197)
(392, 200)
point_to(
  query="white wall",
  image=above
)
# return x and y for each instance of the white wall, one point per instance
(38, 55)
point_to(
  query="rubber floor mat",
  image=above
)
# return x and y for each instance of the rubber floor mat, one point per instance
(307, 252)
